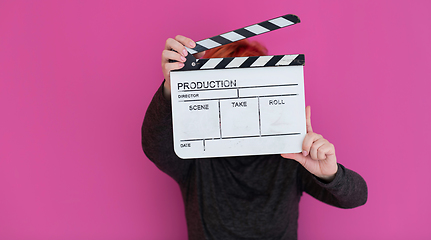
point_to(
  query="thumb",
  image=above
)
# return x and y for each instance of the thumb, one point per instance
(199, 55)
(297, 157)
(294, 156)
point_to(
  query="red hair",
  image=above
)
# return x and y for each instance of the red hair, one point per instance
(242, 48)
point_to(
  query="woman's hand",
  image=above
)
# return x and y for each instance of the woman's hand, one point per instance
(175, 50)
(318, 154)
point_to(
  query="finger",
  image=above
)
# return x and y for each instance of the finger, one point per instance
(315, 148)
(321, 153)
(308, 118)
(172, 44)
(185, 41)
(325, 151)
(304, 161)
(309, 139)
(295, 156)
(167, 67)
(171, 55)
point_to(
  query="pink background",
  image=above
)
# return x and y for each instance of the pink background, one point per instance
(77, 76)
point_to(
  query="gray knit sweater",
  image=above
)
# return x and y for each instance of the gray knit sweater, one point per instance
(252, 197)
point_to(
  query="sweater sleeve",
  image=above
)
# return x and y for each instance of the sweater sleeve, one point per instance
(347, 190)
(157, 137)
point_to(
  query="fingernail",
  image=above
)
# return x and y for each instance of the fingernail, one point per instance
(183, 59)
(305, 153)
(181, 65)
(192, 44)
(185, 52)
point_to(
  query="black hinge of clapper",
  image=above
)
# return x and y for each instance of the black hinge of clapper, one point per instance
(192, 63)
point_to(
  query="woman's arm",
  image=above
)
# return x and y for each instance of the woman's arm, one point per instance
(347, 190)
(322, 177)
(157, 139)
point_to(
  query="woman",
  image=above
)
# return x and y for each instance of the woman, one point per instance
(249, 196)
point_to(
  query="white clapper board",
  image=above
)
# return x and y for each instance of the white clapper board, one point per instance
(239, 106)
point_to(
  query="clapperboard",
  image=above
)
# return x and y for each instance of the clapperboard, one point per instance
(239, 106)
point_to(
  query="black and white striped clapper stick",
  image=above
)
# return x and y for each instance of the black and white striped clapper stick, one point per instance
(247, 62)
(239, 34)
